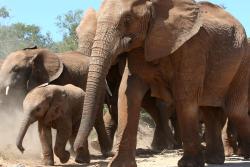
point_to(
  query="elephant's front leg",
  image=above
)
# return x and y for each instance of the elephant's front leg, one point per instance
(186, 92)
(64, 131)
(46, 141)
(131, 93)
(187, 113)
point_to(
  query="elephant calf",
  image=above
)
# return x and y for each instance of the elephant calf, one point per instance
(57, 107)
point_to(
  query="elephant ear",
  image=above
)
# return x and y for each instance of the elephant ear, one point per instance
(173, 23)
(53, 113)
(57, 108)
(46, 67)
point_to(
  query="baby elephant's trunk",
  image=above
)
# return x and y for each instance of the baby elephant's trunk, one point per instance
(23, 129)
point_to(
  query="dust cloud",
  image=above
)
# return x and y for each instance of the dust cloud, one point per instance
(10, 120)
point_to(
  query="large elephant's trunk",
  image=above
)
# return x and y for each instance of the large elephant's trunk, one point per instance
(23, 129)
(99, 66)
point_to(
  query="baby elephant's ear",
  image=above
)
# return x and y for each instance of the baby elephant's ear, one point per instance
(53, 113)
(46, 67)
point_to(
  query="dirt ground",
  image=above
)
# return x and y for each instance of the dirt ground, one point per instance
(10, 157)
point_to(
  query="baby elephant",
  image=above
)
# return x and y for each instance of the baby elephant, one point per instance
(57, 107)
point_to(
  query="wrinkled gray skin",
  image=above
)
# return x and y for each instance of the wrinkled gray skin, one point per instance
(57, 107)
(163, 137)
(190, 48)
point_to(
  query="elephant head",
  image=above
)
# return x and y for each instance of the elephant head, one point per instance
(45, 103)
(159, 26)
(85, 32)
(28, 68)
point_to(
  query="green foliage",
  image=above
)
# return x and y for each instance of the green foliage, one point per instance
(32, 34)
(17, 36)
(4, 13)
(67, 24)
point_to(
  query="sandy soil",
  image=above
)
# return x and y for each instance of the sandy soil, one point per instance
(159, 160)
(10, 157)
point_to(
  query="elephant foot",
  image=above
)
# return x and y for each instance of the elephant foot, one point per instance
(159, 147)
(215, 157)
(243, 152)
(177, 146)
(191, 161)
(121, 160)
(82, 156)
(65, 157)
(48, 161)
(229, 151)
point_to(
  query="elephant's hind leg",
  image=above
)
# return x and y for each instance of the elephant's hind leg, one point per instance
(236, 107)
(214, 119)
(64, 131)
(187, 113)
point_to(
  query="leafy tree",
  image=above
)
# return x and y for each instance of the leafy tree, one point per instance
(67, 24)
(32, 35)
(17, 36)
(4, 13)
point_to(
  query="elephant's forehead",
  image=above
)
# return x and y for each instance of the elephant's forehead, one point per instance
(16, 57)
(117, 6)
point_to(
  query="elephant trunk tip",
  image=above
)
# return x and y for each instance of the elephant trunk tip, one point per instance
(77, 145)
(20, 147)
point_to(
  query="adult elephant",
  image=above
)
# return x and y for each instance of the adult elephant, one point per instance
(28, 68)
(195, 50)
(163, 137)
(231, 141)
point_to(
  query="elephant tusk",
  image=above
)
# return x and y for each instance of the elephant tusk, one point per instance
(107, 87)
(7, 90)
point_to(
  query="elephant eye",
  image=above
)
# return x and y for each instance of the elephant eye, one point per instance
(15, 69)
